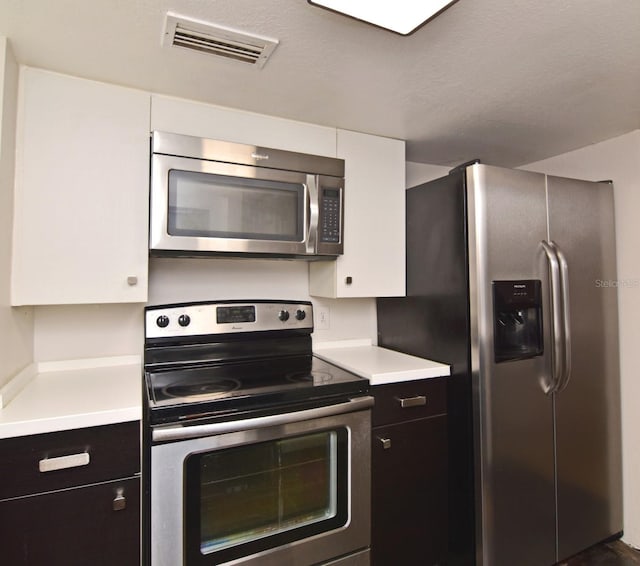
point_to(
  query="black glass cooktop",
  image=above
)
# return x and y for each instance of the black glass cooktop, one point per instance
(227, 389)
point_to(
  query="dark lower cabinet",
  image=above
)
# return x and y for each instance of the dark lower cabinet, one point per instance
(71, 498)
(409, 474)
(73, 527)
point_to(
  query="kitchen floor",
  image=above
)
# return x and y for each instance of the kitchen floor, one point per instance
(615, 553)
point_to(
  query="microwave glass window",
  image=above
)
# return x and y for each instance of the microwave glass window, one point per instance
(218, 206)
(262, 495)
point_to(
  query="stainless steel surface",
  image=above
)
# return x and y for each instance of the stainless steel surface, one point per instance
(566, 319)
(64, 462)
(386, 442)
(588, 437)
(214, 150)
(186, 153)
(416, 401)
(311, 241)
(514, 418)
(203, 319)
(167, 493)
(548, 466)
(558, 326)
(164, 434)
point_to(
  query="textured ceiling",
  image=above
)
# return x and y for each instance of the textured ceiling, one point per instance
(507, 82)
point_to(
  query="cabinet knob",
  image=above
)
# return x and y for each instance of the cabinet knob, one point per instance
(132, 280)
(386, 442)
(120, 501)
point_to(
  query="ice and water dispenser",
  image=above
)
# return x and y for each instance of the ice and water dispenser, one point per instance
(517, 319)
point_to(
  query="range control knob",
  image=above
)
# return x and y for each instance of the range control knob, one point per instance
(162, 321)
(184, 320)
(283, 316)
(300, 314)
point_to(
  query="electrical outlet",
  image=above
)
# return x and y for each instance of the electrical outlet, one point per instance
(322, 318)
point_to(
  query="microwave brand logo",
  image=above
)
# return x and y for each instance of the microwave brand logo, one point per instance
(259, 156)
(520, 286)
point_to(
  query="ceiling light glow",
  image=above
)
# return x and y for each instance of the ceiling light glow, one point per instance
(400, 16)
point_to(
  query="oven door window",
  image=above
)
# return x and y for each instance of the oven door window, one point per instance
(250, 498)
(222, 206)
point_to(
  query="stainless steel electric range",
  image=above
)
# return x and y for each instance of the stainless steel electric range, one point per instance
(256, 451)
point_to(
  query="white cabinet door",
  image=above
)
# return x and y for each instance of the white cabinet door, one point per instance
(81, 204)
(215, 122)
(373, 264)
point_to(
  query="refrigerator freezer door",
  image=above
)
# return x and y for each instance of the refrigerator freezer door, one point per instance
(581, 223)
(514, 416)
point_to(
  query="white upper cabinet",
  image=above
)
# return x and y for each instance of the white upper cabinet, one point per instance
(373, 264)
(214, 122)
(81, 203)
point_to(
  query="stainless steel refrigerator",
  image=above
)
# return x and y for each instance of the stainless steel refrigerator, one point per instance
(511, 279)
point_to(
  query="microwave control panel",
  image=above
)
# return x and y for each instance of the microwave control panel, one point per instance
(330, 216)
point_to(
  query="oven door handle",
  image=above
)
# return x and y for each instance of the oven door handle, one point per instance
(183, 432)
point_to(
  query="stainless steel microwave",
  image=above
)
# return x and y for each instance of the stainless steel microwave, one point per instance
(217, 197)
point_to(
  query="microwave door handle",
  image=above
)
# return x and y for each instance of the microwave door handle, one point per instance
(311, 241)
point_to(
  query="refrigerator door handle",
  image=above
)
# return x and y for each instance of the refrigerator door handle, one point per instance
(557, 326)
(564, 279)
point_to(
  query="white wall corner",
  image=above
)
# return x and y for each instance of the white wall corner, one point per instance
(16, 346)
(418, 173)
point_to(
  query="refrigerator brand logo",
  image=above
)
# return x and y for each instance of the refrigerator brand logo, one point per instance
(617, 283)
(259, 156)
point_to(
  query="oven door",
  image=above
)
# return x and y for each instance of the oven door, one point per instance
(207, 206)
(285, 489)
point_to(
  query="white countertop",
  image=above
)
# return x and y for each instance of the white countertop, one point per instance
(379, 365)
(55, 396)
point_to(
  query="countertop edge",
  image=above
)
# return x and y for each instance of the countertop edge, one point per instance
(69, 422)
(364, 361)
(81, 393)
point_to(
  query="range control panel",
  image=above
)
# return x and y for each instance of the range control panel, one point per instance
(224, 317)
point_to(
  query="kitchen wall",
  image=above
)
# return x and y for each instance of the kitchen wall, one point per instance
(618, 159)
(93, 331)
(176, 280)
(418, 173)
(16, 348)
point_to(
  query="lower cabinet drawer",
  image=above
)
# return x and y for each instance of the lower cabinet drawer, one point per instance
(97, 525)
(58, 460)
(409, 400)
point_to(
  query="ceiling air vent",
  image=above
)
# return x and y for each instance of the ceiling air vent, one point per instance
(217, 40)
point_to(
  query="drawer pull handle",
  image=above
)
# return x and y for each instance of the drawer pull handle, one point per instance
(64, 462)
(386, 442)
(417, 401)
(120, 501)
